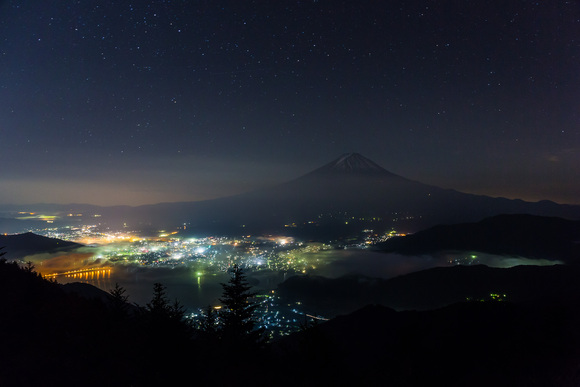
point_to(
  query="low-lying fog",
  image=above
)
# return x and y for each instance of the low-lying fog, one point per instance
(196, 288)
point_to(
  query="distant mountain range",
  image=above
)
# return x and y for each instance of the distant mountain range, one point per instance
(346, 194)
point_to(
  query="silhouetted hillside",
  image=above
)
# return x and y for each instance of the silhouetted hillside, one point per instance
(21, 245)
(467, 344)
(54, 335)
(434, 288)
(522, 235)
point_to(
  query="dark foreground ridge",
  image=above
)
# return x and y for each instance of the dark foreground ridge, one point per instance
(51, 337)
(466, 344)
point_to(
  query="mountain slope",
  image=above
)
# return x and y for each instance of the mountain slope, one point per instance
(347, 189)
(21, 245)
(435, 288)
(466, 344)
(523, 235)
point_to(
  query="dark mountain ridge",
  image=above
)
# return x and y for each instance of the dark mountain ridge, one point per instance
(454, 326)
(21, 245)
(524, 235)
(464, 344)
(435, 288)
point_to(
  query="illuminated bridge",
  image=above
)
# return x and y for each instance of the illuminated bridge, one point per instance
(87, 274)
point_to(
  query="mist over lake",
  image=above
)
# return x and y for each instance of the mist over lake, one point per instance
(196, 290)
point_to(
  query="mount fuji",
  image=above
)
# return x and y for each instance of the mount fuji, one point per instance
(351, 193)
(349, 190)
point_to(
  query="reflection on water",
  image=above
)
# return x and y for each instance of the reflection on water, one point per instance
(184, 284)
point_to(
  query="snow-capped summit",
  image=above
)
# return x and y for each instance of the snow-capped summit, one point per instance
(351, 164)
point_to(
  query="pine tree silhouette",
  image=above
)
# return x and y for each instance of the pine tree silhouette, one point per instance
(119, 304)
(238, 326)
(161, 309)
(208, 322)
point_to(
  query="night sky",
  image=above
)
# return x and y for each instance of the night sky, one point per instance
(120, 102)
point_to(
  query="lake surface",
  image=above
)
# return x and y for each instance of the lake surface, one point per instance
(182, 283)
(195, 290)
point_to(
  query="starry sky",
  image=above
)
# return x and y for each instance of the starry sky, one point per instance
(135, 102)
